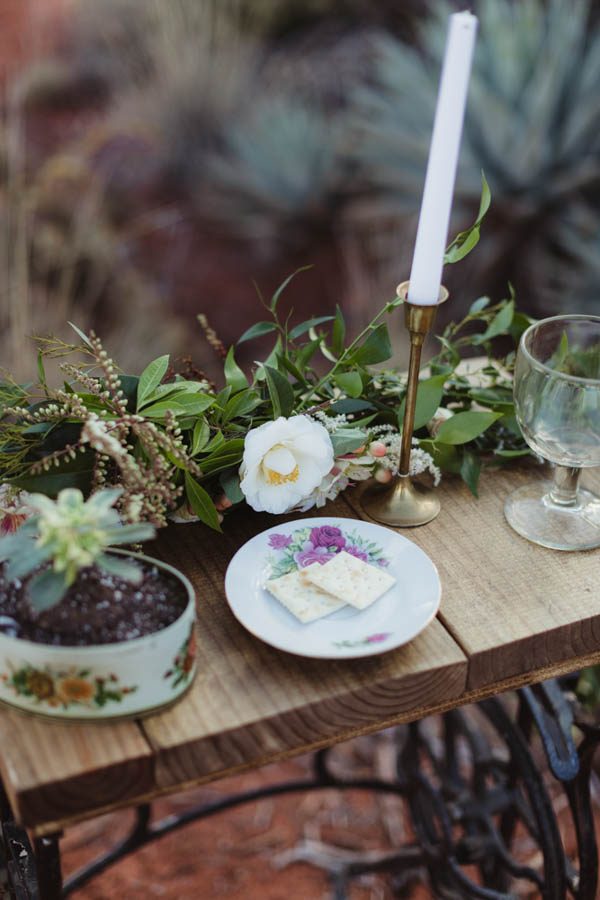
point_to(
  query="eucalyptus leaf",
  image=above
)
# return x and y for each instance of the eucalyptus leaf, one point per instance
(500, 324)
(350, 383)
(376, 348)
(346, 440)
(465, 426)
(429, 397)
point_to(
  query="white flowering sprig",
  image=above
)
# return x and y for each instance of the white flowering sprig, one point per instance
(65, 535)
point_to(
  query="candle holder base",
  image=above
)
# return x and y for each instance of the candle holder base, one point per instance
(402, 504)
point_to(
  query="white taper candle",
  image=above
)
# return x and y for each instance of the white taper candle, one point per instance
(428, 259)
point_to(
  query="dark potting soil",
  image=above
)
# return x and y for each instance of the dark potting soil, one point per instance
(97, 609)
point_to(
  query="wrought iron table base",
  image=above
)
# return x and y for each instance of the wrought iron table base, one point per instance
(466, 804)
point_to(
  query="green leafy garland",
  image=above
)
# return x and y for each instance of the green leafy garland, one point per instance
(175, 442)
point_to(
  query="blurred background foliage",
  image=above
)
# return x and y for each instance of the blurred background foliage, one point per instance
(157, 157)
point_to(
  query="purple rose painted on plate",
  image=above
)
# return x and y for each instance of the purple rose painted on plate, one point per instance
(327, 536)
(318, 544)
(280, 541)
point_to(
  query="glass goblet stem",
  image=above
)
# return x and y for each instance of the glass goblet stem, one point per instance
(564, 489)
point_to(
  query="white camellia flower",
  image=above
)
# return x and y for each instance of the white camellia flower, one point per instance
(284, 461)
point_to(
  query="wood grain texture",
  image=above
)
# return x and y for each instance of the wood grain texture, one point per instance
(52, 770)
(251, 703)
(512, 606)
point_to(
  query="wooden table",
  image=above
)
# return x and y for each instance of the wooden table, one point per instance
(512, 613)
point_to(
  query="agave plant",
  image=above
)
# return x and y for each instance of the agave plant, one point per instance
(533, 126)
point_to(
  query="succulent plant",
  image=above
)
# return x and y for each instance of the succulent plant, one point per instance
(533, 126)
(66, 535)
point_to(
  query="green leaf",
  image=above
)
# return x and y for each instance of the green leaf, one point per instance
(478, 305)
(470, 469)
(135, 533)
(230, 482)
(200, 436)
(150, 378)
(465, 426)
(280, 392)
(375, 348)
(446, 456)
(500, 324)
(81, 335)
(180, 405)
(71, 473)
(283, 285)
(494, 397)
(127, 569)
(233, 374)
(338, 334)
(240, 405)
(350, 383)
(24, 563)
(512, 454)
(463, 243)
(46, 589)
(519, 324)
(201, 504)
(347, 439)
(303, 327)
(258, 330)
(486, 199)
(284, 363)
(306, 353)
(343, 407)
(429, 397)
(228, 453)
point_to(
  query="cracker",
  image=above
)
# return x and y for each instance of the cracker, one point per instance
(350, 579)
(304, 600)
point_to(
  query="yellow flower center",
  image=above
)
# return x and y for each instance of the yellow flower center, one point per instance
(274, 477)
(279, 466)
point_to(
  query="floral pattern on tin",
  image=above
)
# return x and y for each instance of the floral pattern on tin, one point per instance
(319, 544)
(183, 664)
(65, 688)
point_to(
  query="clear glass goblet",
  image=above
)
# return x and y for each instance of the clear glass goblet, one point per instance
(557, 405)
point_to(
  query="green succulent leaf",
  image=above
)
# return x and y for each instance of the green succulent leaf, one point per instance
(46, 589)
(127, 569)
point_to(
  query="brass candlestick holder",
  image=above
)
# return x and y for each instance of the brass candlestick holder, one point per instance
(402, 503)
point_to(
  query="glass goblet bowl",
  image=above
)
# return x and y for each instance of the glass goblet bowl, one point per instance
(557, 405)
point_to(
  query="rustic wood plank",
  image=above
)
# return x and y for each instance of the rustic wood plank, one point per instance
(52, 770)
(512, 606)
(251, 703)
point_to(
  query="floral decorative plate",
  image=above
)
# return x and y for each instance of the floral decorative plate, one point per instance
(395, 618)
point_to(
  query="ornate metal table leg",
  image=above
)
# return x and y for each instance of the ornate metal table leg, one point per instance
(49, 873)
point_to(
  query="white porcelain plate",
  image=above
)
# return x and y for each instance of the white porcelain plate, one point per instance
(395, 618)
